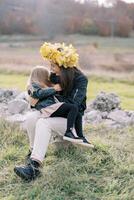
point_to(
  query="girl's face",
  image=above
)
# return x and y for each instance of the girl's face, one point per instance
(55, 68)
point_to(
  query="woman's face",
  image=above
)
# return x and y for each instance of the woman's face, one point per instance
(55, 68)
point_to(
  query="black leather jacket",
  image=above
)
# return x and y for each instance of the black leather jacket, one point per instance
(78, 93)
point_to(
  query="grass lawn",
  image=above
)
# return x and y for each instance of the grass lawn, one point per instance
(17, 81)
(71, 172)
(96, 84)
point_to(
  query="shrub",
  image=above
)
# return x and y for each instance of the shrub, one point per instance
(124, 26)
(89, 27)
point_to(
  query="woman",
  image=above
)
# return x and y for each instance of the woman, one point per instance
(48, 104)
(64, 62)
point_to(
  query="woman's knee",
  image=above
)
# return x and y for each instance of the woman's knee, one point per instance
(31, 120)
(32, 117)
(43, 123)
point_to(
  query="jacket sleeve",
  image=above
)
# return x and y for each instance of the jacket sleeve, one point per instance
(79, 92)
(54, 78)
(40, 93)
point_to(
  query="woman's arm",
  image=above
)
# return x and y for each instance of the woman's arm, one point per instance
(79, 92)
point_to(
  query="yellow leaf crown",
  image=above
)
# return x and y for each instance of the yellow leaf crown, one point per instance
(60, 54)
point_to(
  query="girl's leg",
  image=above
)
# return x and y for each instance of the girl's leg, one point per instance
(78, 125)
(68, 111)
(79, 131)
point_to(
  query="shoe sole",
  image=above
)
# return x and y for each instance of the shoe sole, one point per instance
(72, 140)
(86, 145)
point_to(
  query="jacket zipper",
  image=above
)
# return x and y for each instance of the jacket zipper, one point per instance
(56, 100)
(75, 94)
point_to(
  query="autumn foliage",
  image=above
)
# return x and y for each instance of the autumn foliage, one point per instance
(66, 16)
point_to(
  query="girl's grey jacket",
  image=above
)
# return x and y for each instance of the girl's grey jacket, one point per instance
(45, 96)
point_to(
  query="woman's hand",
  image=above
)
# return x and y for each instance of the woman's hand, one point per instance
(57, 87)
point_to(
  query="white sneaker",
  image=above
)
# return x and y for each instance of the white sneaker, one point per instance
(86, 143)
(69, 136)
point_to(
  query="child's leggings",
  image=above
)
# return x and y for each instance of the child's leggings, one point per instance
(74, 118)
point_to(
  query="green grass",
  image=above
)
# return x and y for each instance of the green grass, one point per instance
(17, 81)
(71, 172)
(124, 89)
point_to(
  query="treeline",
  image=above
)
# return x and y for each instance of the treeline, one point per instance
(66, 16)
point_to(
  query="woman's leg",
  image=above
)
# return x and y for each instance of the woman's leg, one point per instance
(68, 111)
(41, 140)
(44, 128)
(30, 124)
(43, 131)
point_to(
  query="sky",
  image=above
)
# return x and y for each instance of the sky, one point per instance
(102, 2)
(128, 1)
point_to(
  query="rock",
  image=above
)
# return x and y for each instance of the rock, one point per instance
(105, 109)
(3, 110)
(17, 106)
(104, 115)
(15, 93)
(16, 118)
(106, 102)
(23, 95)
(89, 108)
(119, 116)
(7, 95)
(132, 119)
(130, 113)
(93, 116)
(111, 124)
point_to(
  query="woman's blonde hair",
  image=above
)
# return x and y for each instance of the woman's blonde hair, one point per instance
(39, 74)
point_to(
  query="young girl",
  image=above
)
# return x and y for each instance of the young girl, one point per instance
(46, 101)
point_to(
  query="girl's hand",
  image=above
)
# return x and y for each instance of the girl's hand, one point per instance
(57, 87)
(33, 101)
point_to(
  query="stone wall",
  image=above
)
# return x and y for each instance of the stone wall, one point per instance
(104, 109)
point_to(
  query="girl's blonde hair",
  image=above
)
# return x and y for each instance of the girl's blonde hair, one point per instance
(39, 74)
